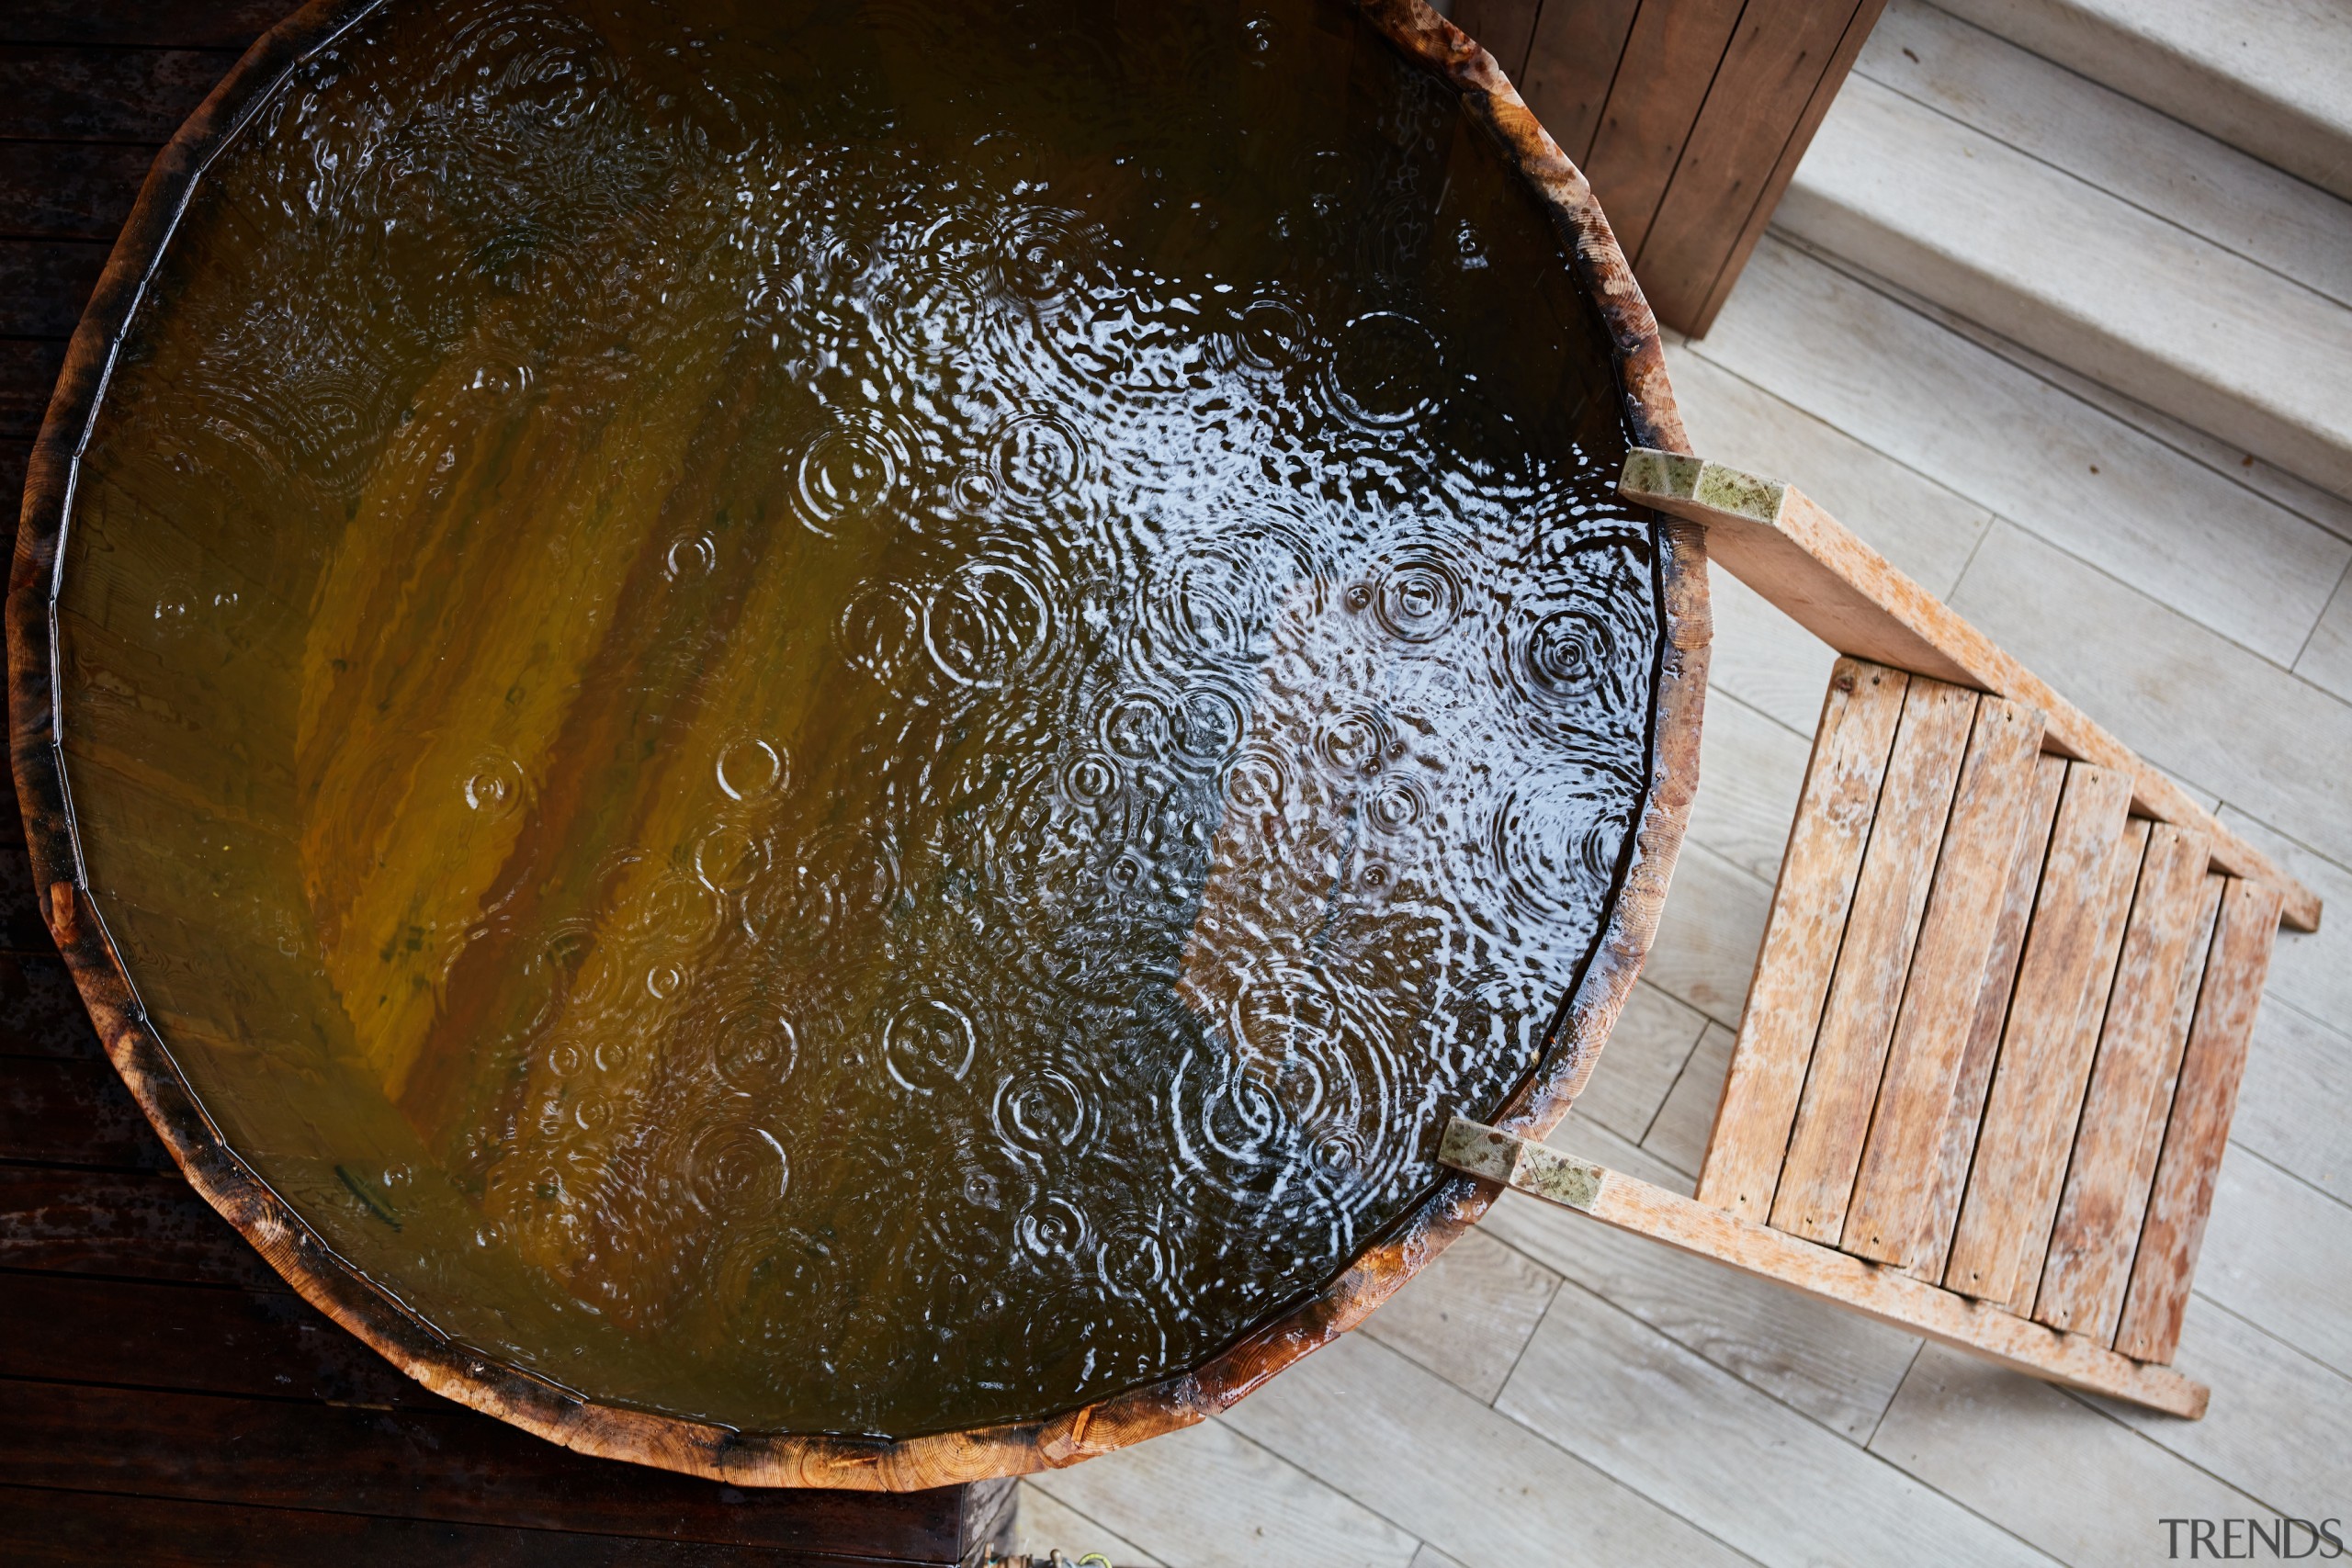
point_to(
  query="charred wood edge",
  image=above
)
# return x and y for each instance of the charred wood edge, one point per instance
(562, 1414)
(1874, 1289)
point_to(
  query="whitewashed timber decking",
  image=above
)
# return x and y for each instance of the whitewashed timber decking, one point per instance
(1552, 1393)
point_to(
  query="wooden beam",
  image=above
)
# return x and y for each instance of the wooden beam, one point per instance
(1977, 862)
(1777, 540)
(1885, 1294)
(2089, 1261)
(1810, 904)
(1873, 962)
(2202, 1105)
(2062, 992)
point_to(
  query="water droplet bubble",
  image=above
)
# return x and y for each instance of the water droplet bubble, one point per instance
(749, 768)
(847, 475)
(1386, 369)
(927, 1044)
(755, 1051)
(494, 787)
(691, 558)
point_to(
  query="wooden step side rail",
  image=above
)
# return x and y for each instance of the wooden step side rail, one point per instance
(1877, 1291)
(1778, 541)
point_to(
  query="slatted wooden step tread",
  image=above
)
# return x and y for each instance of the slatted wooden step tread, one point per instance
(1998, 1020)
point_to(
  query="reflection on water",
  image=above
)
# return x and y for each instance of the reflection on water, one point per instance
(851, 718)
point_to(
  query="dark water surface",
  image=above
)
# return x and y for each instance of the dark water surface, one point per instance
(852, 718)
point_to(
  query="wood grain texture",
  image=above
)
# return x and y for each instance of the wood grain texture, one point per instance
(70, 191)
(72, 1113)
(28, 367)
(1785, 62)
(1504, 28)
(44, 283)
(1669, 61)
(1695, 321)
(2044, 1179)
(1774, 539)
(1894, 1185)
(91, 93)
(1572, 61)
(447, 1465)
(55, 1528)
(2097, 1227)
(138, 1224)
(1810, 904)
(1886, 1294)
(1873, 961)
(258, 1344)
(2036, 1083)
(1974, 1082)
(2204, 1101)
(172, 23)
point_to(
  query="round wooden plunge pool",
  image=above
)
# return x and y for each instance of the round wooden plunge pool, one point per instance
(811, 742)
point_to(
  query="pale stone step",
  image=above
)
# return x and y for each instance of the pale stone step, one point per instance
(2118, 244)
(2272, 77)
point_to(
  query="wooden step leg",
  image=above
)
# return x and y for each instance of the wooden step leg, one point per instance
(1887, 1294)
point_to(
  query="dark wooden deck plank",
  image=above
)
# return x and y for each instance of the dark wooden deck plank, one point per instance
(143, 1224)
(43, 1525)
(173, 24)
(194, 1338)
(69, 190)
(72, 1113)
(45, 283)
(98, 93)
(449, 1465)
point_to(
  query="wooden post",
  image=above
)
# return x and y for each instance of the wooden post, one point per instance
(1688, 115)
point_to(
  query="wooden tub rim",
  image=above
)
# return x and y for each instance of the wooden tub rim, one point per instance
(345, 1293)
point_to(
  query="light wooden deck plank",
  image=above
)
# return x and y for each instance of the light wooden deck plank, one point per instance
(1751, 772)
(2243, 566)
(1468, 1316)
(1888, 1295)
(2037, 1081)
(1837, 1367)
(1044, 1525)
(2279, 1428)
(2121, 293)
(2291, 1105)
(1927, 529)
(2327, 659)
(1679, 1136)
(1764, 659)
(2277, 748)
(2119, 1138)
(2042, 1465)
(1858, 1022)
(1810, 907)
(1469, 1480)
(2203, 1103)
(2266, 75)
(1209, 1497)
(1654, 1037)
(2135, 152)
(1747, 1468)
(1897, 1182)
(2278, 1254)
(1974, 1083)
(1708, 934)
(2312, 973)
